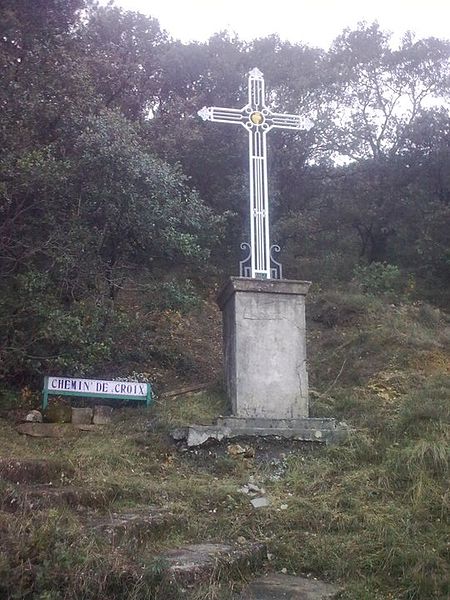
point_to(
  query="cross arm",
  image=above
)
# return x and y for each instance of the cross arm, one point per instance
(283, 121)
(223, 115)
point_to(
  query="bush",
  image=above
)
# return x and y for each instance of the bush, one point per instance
(379, 278)
(39, 333)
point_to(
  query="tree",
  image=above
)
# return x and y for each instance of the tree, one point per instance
(86, 207)
(379, 92)
(374, 101)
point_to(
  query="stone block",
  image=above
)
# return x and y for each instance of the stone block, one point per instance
(102, 415)
(81, 416)
(58, 413)
(48, 430)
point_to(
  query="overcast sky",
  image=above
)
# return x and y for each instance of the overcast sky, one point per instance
(315, 22)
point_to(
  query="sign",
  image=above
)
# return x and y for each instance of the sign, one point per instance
(119, 390)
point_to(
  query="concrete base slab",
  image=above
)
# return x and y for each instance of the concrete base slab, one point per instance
(303, 422)
(305, 429)
(288, 587)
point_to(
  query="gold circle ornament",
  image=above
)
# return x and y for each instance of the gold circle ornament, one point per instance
(257, 117)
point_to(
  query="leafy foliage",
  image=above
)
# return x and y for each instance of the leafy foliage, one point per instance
(114, 193)
(377, 278)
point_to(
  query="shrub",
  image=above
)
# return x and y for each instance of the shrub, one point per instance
(379, 278)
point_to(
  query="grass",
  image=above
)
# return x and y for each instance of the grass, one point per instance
(372, 514)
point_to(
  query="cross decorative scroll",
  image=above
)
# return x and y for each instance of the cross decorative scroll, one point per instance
(258, 120)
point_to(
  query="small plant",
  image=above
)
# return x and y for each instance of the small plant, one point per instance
(155, 570)
(378, 278)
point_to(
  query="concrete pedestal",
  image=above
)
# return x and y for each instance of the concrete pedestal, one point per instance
(265, 366)
(265, 347)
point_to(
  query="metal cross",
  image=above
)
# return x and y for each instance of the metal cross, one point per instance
(258, 120)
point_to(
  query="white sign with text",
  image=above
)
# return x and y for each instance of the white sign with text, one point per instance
(96, 386)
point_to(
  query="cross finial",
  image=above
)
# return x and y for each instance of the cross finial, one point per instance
(204, 113)
(255, 72)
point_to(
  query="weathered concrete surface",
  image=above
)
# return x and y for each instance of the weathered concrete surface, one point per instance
(136, 525)
(308, 430)
(288, 587)
(265, 347)
(197, 435)
(244, 424)
(198, 563)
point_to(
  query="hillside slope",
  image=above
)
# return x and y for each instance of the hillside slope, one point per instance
(371, 514)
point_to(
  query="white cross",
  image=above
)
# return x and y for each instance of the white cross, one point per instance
(258, 120)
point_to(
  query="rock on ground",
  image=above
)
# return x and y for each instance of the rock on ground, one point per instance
(289, 587)
(19, 498)
(34, 416)
(260, 502)
(198, 563)
(47, 430)
(136, 525)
